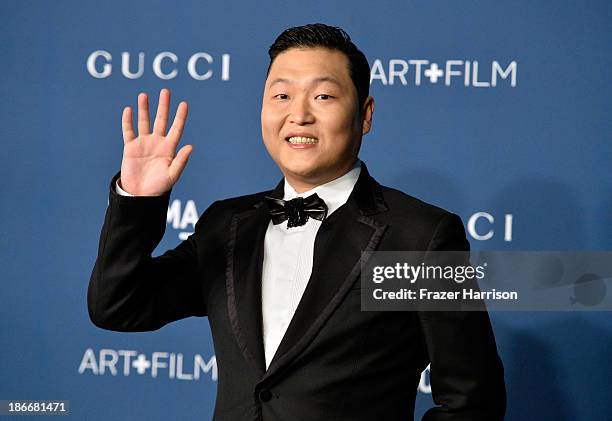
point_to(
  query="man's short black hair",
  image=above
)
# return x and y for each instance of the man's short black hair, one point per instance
(331, 37)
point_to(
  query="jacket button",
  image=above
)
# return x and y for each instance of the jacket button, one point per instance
(265, 395)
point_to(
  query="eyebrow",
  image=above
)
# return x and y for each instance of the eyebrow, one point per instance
(314, 81)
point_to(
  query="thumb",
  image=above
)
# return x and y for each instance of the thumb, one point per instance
(179, 162)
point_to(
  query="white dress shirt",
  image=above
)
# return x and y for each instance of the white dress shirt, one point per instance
(288, 256)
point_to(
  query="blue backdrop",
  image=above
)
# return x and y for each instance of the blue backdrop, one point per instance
(498, 111)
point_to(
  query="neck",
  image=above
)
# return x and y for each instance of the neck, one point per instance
(304, 184)
(301, 186)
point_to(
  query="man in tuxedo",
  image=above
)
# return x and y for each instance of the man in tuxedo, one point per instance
(276, 272)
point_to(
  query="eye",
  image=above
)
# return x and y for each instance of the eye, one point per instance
(324, 96)
(281, 96)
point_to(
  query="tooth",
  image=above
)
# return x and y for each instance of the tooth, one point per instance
(302, 140)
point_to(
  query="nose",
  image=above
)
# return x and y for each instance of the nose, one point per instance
(300, 112)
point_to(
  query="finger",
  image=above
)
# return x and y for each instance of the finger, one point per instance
(126, 125)
(179, 162)
(179, 122)
(161, 118)
(143, 114)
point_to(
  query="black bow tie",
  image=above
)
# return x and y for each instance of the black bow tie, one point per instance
(296, 211)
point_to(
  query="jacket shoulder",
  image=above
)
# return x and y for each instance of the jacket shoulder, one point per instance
(218, 216)
(224, 209)
(418, 225)
(241, 203)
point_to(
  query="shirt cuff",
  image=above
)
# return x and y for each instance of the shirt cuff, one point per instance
(120, 191)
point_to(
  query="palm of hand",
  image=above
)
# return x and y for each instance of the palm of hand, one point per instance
(150, 165)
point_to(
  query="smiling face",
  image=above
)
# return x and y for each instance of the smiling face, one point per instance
(311, 121)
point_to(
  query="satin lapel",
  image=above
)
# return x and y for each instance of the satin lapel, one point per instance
(243, 281)
(336, 265)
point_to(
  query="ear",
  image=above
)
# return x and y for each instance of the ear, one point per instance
(367, 112)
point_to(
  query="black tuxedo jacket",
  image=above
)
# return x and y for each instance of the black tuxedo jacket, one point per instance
(335, 362)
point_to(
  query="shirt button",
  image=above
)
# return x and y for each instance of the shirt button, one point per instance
(265, 395)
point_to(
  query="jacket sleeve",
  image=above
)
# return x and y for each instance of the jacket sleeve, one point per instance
(466, 372)
(131, 291)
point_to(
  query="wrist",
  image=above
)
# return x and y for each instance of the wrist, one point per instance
(119, 189)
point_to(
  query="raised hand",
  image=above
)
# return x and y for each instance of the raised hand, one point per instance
(150, 165)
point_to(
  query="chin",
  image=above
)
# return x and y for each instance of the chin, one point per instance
(299, 164)
(302, 171)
